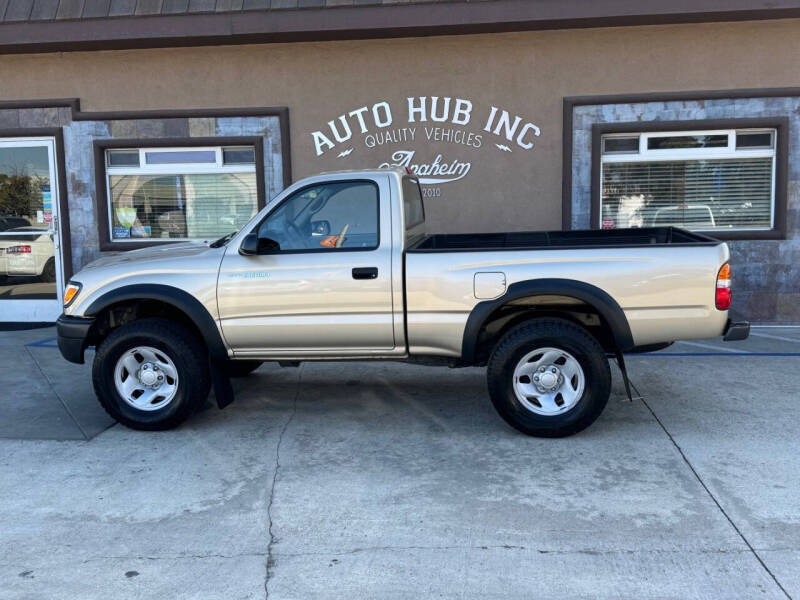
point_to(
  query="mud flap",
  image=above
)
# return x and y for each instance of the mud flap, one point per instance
(223, 390)
(624, 371)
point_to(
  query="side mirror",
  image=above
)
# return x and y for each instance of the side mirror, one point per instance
(253, 245)
(320, 228)
(249, 245)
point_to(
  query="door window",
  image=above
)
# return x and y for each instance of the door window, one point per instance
(326, 217)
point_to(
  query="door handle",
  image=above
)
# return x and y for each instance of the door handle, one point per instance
(365, 272)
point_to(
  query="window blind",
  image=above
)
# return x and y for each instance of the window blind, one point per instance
(181, 206)
(696, 194)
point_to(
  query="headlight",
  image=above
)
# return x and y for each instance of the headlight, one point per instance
(70, 292)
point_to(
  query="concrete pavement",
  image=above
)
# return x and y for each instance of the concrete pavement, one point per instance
(393, 481)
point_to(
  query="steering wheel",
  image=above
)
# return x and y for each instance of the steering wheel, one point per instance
(299, 239)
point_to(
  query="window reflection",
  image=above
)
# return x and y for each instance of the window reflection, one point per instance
(27, 259)
(181, 206)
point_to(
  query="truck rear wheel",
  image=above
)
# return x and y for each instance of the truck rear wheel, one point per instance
(151, 374)
(549, 378)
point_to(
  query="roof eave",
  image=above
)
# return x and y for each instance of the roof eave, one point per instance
(369, 22)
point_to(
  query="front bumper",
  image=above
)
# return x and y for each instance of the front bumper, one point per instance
(73, 333)
(736, 330)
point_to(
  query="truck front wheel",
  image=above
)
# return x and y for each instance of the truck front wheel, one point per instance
(549, 378)
(151, 374)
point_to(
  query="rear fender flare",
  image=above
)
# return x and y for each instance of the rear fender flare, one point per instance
(606, 306)
(177, 298)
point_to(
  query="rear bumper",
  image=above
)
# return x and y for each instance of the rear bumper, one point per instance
(72, 335)
(25, 265)
(736, 330)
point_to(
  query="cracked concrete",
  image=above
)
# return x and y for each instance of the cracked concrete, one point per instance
(276, 472)
(395, 481)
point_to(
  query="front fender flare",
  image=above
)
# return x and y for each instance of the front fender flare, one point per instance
(175, 297)
(608, 309)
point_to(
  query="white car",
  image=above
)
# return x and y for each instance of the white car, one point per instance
(697, 216)
(29, 254)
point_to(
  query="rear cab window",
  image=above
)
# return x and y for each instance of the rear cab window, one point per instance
(413, 208)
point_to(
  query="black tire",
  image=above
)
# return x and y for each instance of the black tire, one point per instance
(181, 345)
(241, 368)
(49, 271)
(563, 335)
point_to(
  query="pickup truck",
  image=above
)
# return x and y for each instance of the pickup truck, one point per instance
(339, 267)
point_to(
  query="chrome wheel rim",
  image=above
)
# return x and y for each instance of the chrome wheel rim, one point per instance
(549, 381)
(146, 378)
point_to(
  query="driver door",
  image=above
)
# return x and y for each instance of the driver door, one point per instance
(327, 289)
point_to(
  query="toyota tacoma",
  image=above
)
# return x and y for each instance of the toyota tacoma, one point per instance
(339, 267)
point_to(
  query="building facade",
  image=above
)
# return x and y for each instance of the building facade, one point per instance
(127, 124)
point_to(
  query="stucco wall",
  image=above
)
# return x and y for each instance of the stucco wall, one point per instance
(527, 74)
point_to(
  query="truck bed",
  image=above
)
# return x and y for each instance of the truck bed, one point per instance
(533, 240)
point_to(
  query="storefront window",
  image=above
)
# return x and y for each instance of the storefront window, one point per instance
(180, 193)
(707, 181)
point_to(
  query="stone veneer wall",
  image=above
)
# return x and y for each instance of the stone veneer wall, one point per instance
(79, 156)
(766, 273)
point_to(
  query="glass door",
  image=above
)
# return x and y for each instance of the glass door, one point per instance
(31, 284)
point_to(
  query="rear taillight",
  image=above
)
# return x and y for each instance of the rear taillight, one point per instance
(723, 294)
(24, 249)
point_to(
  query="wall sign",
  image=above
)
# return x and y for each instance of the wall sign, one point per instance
(436, 137)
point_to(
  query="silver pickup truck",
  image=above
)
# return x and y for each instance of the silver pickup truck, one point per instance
(340, 267)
